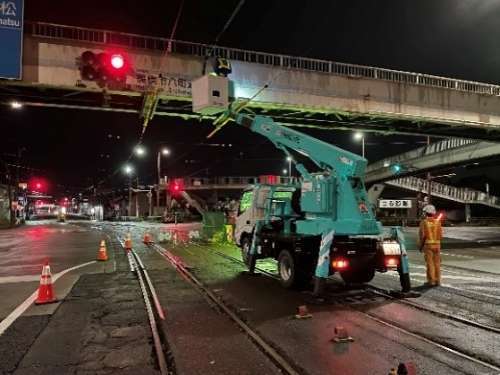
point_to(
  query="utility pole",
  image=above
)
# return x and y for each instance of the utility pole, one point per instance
(150, 201)
(129, 209)
(137, 197)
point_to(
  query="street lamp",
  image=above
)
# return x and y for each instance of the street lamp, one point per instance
(165, 152)
(139, 150)
(289, 160)
(16, 105)
(128, 169)
(284, 171)
(360, 137)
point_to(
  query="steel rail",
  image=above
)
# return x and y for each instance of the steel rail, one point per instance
(381, 292)
(269, 351)
(130, 260)
(154, 295)
(428, 340)
(424, 338)
(162, 362)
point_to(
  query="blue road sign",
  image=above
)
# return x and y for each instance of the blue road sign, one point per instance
(11, 38)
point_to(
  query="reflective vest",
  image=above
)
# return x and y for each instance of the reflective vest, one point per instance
(431, 231)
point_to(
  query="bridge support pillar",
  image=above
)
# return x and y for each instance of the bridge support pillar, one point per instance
(467, 213)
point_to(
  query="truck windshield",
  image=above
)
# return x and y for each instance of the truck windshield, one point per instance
(246, 201)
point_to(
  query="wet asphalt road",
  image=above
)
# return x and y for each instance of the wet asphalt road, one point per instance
(201, 340)
(24, 250)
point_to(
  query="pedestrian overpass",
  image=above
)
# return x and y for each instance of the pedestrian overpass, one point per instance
(299, 91)
(436, 156)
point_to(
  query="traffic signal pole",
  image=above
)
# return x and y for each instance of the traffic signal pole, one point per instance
(129, 209)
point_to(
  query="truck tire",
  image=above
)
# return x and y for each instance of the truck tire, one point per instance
(246, 243)
(287, 269)
(358, 276)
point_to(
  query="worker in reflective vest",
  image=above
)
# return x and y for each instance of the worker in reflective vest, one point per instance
(430, 235)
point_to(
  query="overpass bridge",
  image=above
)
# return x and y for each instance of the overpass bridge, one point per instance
(301, 91)
(455, 194)
(447, 192)
(439, 155)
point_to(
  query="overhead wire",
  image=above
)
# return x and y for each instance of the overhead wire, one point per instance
(144, 127)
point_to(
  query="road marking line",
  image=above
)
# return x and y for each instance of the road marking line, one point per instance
(458, 255)
(19, 310)
(18, 279)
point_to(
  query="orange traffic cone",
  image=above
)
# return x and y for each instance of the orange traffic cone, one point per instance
(45, 291)
(341, 335)
(102, 254)
(302, 312)
(128, 242)
(147, 239)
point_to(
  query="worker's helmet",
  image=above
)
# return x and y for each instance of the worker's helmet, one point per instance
(429, 209)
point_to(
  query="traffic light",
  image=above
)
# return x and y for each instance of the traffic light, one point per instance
(397, 168)
(176, 187)
(105, 68)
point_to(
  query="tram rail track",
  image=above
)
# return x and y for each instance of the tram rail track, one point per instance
(277, 358)
(148, 291)
(388, 323)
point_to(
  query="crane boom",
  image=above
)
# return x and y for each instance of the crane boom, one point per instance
(324, 155)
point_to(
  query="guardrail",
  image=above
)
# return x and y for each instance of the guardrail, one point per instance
(462, 195)
(55, 31)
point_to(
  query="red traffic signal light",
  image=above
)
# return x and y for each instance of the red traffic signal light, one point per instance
(117, 61)
(104, 67)
(176, 187)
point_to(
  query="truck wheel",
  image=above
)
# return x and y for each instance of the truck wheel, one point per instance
(246, 243)
(358, 276)
(286, 269)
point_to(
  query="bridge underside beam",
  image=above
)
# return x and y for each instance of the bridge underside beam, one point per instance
(131, 102)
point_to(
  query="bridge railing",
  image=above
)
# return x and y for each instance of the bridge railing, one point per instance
(238, 181)
(458, 194)
(190, 182)
(54, 31)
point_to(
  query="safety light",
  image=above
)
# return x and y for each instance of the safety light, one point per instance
(340, 264)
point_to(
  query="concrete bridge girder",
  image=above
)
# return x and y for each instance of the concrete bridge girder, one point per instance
(53, 62)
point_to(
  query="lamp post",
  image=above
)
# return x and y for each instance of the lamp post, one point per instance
(164, 152)
(128, 169)
(289, 160)
(361, 137)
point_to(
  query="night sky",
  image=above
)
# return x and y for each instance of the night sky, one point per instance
(77, 148)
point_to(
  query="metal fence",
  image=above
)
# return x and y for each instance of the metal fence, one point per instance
(462, 195)
(127, 40)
